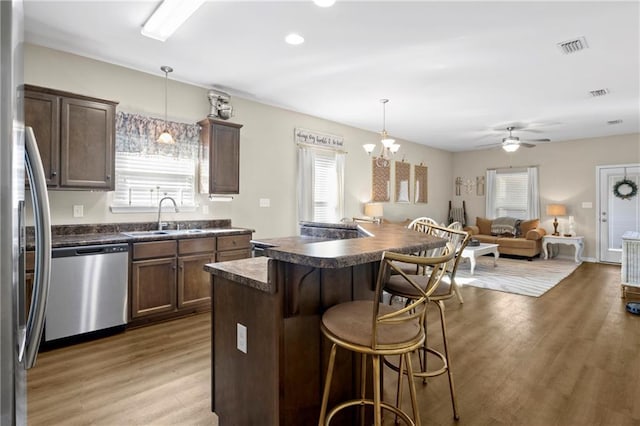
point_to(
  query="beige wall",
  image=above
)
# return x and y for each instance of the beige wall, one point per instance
(267, 152)
(567, 176)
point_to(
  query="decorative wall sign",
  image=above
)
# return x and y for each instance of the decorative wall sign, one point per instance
(309, 137)
(420, 189)
(381, 182)
(403, 176)
(480, 185)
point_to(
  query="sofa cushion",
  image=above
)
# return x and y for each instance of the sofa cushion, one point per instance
(516, 243)
(484, 225)
(528, 225)
(487, 239)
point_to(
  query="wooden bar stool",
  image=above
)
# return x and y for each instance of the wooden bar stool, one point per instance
(404, 285)
(371, 328)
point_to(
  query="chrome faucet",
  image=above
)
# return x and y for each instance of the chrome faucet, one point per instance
(175, 206)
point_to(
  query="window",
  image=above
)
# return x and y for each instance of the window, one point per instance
(513, 193)
(146, 170)
(320, 184)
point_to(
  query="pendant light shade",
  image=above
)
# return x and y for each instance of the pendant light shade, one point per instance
(165, 136)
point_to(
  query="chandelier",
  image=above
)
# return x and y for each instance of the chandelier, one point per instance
(389, 146)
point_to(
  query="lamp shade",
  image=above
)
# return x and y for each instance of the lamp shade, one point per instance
(556, 210)
(373, 210)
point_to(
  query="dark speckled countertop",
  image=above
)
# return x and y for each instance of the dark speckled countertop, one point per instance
(323, 253)
(114, 233)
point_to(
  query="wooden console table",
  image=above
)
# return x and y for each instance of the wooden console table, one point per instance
(577, 242)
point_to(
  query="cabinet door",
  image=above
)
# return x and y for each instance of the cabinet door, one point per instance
(153, 284)
(87, 144)
(42, 113)
(194, 283)
(225, 160)
(223, 256)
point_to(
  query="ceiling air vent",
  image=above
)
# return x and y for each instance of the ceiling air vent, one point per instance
(612, 122)
(573, 46)
(599, 92)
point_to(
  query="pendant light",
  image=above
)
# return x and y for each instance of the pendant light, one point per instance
(389, 146)
(165, 136)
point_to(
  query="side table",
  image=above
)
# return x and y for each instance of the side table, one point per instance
(577, 242)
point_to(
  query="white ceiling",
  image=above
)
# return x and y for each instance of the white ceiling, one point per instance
(454, 72)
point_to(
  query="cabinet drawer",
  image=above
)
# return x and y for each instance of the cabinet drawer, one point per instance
(233, 242)
(197, 245)
(223, 256)
(154, 249)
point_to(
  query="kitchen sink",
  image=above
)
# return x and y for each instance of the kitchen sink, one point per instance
(163, 232)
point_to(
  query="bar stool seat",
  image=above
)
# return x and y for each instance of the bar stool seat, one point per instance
(373, 329)
(350, 323)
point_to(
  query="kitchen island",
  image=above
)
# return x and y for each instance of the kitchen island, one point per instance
(268, 353)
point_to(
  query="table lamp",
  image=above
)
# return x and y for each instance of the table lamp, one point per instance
(374, 210)
(556, 210)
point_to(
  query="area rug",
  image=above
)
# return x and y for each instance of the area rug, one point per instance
(515, 275)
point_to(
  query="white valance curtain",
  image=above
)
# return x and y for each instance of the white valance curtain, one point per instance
(512, 192)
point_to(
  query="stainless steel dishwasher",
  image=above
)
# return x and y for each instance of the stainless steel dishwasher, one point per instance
(88, 290)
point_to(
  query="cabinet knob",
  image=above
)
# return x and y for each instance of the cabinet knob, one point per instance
(54, 173)
(108, 177)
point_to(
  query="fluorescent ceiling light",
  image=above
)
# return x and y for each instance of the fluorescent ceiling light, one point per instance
(294, 39)
(324, 3)
(168, 17)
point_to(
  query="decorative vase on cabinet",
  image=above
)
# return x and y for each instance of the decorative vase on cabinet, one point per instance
(219, 157)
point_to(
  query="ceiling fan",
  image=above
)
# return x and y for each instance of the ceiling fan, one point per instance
(512, 143)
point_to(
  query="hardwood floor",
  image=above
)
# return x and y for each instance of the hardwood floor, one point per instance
(570, 357)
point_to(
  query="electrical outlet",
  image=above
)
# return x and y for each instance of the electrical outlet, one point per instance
(78, 211)
(265, 202)
(242, 338)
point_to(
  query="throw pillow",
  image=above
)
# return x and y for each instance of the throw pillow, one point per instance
(484, 225)
(528, 225)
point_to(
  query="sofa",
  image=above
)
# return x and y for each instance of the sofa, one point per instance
(513, 236)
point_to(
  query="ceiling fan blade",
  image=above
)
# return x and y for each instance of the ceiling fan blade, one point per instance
(536, 140)
(527, 145)
(488, 145)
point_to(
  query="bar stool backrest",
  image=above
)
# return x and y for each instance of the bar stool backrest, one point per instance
(416, 308)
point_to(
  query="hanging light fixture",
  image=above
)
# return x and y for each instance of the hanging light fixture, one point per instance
(165, 136)
(389, 146)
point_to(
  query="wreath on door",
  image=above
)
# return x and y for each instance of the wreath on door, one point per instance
(625, 189)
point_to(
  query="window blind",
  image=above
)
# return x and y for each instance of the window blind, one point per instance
(511, 189)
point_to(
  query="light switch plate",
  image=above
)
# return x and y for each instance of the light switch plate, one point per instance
(587, 205)
(78, 210)
(242, 338)
(265, 202)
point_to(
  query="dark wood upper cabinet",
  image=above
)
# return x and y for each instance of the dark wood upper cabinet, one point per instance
(75, 136)
(220, 155)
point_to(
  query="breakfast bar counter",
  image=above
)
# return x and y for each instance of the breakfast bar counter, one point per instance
(268, 353)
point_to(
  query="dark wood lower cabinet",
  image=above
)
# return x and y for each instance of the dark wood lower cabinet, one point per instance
(154, 286)
(193, 281)
(168, 278)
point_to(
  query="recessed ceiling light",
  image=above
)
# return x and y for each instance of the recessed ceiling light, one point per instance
(324, 3)
(294, 39)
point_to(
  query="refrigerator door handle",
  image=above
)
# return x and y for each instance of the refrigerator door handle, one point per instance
(42, 273)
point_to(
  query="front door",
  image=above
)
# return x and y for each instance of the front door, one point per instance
(616, 213)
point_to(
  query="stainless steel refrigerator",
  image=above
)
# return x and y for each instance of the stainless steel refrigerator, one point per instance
(19, 335)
